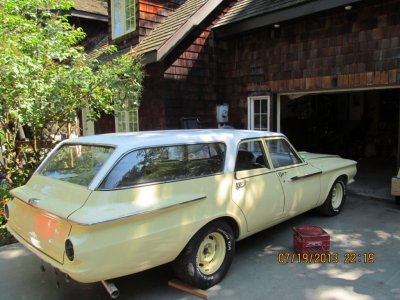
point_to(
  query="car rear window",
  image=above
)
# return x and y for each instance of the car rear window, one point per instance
(167, 163)
(76, 163)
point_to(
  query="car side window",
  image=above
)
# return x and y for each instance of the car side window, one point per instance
(167, 163)
(250, 156)
(282, 154)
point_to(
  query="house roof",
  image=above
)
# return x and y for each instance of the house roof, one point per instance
(174, 29)
(90, 9)
(246, 15)
(245, 9)
(100, 46)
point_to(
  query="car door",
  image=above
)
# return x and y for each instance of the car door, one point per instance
(300, 181)
(256, 188)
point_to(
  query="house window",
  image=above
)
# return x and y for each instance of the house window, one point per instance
(126, 117)
(259, 109)
(123, 17)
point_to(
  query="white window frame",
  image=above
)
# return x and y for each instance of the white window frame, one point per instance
(123, 121)
(119, 17)
(251, 121)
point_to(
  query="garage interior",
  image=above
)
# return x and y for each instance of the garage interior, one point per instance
(360, 125)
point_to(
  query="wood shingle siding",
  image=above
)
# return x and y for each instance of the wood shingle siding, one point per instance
(188, 83)
(149, 14)
(196, 64)
(169, 27)
(336, 49)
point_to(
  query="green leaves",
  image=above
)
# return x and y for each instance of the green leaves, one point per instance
(46, 78)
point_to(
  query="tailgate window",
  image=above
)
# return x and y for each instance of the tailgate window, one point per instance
(76, 163)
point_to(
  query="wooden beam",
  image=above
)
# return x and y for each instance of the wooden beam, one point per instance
(188, 289)
(398, 138)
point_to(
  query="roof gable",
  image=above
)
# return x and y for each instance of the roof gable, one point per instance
(162, 40)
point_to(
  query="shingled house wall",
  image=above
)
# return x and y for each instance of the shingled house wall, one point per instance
(332, 50)
(337, 49)
(186, 83)
(149, 13)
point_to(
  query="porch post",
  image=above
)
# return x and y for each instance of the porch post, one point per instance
(398, 137)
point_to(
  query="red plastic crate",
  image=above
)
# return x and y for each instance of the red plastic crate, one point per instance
(310, 239)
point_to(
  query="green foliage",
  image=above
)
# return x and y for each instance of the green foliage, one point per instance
(5, 236)
(46, 78)
(4, 198)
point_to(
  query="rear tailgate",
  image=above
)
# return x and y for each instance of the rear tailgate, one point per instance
(39, 212)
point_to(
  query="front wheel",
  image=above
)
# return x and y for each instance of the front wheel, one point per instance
(335, 200)
(207, 257)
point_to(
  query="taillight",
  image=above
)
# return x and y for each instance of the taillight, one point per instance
(69, 250)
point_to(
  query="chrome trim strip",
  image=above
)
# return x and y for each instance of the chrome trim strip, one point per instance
(140, 213)
(304, 176)
(54, 216)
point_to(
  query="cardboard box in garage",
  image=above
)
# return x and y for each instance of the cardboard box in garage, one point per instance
(395, 191)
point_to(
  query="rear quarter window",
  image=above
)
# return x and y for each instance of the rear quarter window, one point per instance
(166, 163)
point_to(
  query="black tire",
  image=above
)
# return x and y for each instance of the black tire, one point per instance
(207, 257)
(397, 199)
(333, 204)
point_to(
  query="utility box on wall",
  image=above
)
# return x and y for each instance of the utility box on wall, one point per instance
(222, 113)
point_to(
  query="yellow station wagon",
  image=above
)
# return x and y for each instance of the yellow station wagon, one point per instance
(105, 206)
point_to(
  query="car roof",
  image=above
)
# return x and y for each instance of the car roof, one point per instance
(170, 137)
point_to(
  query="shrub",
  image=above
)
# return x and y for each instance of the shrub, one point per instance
(5, 236)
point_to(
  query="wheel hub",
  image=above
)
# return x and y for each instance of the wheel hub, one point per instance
(211, 253)
(337, 195)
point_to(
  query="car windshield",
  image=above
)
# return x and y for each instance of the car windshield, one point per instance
(76, 163)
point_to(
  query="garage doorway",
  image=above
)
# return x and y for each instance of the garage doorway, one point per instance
(357, 125)
(361, 125)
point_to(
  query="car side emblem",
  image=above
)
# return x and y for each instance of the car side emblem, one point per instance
(33, 201)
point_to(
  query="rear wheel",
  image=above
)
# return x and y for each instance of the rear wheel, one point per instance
(207, 257)
(335, 200)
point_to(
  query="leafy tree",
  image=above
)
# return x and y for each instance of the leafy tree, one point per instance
(46, 78)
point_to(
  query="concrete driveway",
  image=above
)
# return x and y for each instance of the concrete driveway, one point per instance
(365, 226)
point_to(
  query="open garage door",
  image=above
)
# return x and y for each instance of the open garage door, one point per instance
(358, 125)
(361, 125)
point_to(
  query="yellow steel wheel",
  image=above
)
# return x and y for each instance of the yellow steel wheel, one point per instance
(337, 195)
(211, 253)
(207, 256)
(334, 202)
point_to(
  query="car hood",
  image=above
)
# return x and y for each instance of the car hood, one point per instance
(307, 156)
